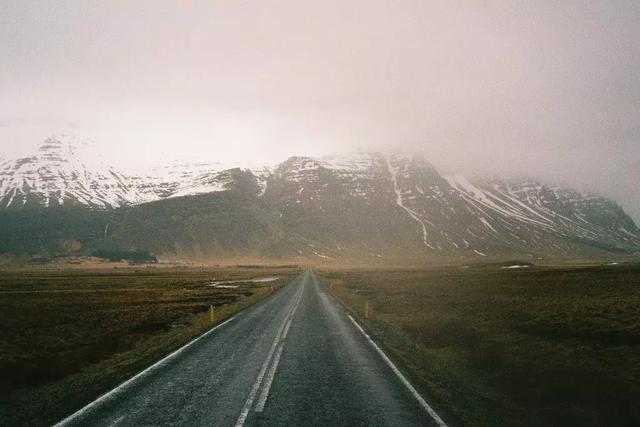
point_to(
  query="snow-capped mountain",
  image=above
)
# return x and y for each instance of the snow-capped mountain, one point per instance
(446, 214)
(175, 179)
(56, 175)
(363, 204)
(59, 174)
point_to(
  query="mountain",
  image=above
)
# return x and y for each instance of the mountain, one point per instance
(385, 205)
(364, 205)
(177, 178)
(59, 173)
(56, 175)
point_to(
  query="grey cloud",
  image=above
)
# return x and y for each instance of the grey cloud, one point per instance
(547, 89)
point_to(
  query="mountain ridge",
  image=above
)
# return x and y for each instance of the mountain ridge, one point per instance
(378, 205)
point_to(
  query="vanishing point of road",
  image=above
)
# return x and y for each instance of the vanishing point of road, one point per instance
(295, 358)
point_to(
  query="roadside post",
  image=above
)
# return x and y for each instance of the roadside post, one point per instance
(366, 310)
(211, 313)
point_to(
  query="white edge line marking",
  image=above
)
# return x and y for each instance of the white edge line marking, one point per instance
(122, 386)
(407, 384)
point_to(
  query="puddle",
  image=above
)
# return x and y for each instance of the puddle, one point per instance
(227, 284)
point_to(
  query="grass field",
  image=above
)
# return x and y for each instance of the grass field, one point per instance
(490, 346)
(68, 336)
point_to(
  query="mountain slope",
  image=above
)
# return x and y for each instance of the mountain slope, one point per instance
(381, 205)
(369, 205)
(56, 176)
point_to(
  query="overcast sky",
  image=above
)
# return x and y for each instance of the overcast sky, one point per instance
(542, 88)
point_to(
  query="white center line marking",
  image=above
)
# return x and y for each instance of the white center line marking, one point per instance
(272, 372)
(254, 390)
(256, 386)
(267, 385)
(116, 422)
(407, 384)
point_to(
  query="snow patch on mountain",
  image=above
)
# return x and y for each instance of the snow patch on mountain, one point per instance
(57, 175)
(455, 214)
(353, 162)
(65, 170)
(400, 202)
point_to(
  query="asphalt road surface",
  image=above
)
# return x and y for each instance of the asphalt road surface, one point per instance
(295, 358)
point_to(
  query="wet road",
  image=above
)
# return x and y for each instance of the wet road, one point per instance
(295, 358)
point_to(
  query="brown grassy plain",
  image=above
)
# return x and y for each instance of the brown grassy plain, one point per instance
(71, 334)
(492, 346)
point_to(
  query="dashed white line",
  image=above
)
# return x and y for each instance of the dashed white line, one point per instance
(436, 418)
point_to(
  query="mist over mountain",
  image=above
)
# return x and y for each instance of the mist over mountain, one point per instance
(476, 86)
(365, 205)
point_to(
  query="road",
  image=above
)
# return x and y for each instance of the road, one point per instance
(295, 358)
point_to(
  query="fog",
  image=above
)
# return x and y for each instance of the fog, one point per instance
(528, 88)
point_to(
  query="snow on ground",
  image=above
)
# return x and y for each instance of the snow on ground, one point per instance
(486, 224)
(206, 183)
(352, 162)
(400, 202)
(476, 194)
(320, 255)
